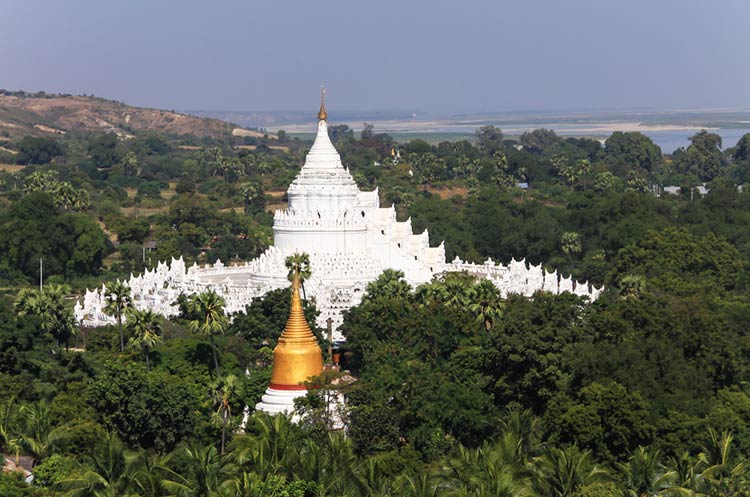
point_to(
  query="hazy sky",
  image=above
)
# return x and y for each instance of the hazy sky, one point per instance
(430, 55)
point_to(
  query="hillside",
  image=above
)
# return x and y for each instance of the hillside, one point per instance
(44, 114)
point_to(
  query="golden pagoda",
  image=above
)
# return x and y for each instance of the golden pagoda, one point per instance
(296, 359)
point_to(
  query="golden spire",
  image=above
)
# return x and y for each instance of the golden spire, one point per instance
(322, 114)
(297, 357)
(296, 329)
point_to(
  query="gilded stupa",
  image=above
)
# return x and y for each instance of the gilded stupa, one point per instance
(296, 359)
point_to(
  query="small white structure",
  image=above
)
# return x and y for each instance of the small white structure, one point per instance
(350, 240)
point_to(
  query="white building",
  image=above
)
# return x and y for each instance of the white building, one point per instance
(350, 240)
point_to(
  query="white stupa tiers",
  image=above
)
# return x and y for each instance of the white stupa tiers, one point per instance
(350, 240)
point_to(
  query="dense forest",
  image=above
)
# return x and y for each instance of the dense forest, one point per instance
(451, 389)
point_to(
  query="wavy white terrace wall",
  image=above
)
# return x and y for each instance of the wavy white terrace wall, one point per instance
(337, 283)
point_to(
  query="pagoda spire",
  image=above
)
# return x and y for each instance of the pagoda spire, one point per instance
(297, 329)
(322, 114)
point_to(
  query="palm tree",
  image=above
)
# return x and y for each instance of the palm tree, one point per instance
(525, 427)
(109, 471)
(130, 164)
(487, 305)
(38, 437)
(15, 177)
(604, 181)
(206, 472)
(148, 472)
(407, 200)
(491, 470)
(451, 289)
(632, 285)
(64, 194)
(273, 449)
(723, 471)
(208, 319)
(685, 469)
(561, 472)
(7, 424)
(570, 243)
(80, 201)
(300, 264)
(584, 168)
(54, 312)
(644, 474)
(145, 327)
(459, 290)
(371, 478)
(422, 485)
(40, 181)
(263, 167)
(329, 463)
(390, 284)
(250, 192)
(118, 300)
(223, 394)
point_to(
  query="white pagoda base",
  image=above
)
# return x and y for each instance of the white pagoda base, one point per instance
(279, 401)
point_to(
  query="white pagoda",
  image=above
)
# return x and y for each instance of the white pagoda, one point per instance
(350, 240)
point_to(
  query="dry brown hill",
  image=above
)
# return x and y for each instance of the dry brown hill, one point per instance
(45, 114)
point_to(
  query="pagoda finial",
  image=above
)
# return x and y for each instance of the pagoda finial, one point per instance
(322, 114)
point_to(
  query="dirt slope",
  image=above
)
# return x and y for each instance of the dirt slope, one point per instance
(44, 114)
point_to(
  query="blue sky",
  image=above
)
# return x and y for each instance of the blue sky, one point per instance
(431, 56)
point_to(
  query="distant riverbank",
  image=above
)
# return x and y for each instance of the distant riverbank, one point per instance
(669, 129)
(668, 138)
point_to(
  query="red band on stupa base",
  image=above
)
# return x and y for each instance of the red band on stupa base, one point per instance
(275, 386)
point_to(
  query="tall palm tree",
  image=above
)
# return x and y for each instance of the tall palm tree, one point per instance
(145, 327)
(118, 300)
(223, 395)
(208, 319)
(487, 305)
(300, 264)
(7, 423)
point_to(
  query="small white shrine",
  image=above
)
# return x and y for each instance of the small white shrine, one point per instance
(350, 240)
